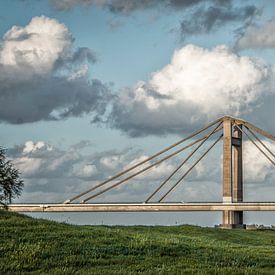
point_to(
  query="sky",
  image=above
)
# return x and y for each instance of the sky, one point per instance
(89, 87)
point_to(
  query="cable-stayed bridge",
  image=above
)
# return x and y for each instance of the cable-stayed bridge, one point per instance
(229, 130)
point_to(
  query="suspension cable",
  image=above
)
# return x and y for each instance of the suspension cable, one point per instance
(182, 163)
(258, 130)
(256, 145)
(147, 167)
(262, 143)
(144, 161)
(190, 169)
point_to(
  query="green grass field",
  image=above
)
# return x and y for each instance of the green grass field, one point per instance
(36, 246)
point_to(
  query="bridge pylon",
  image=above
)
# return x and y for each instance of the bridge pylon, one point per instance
(232, 171)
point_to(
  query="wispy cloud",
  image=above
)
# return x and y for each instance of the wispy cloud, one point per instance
(207, 19)
(200, 16)
(258, 37)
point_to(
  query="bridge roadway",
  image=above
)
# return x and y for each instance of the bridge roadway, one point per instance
(143, 207)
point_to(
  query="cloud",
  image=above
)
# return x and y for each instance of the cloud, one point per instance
(43, 77)
(37, 45)
(54, 175)
(41, 160)
(159, 172)
(258, 37)
(30, 147)
(197, 86)
(122, 6)
(67, 172)
(128, 6)
(257, 168)
(200, 16)
(207, 19)
(86, 171)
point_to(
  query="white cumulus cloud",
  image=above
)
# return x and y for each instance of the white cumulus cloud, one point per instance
(44, 77)
(197, 86)
(38, 45)
(31, 146)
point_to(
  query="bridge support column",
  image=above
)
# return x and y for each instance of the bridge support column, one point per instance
(227, 160)
(237, 175)
(232, 173)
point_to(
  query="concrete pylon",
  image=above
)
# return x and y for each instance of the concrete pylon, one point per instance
(232, 172)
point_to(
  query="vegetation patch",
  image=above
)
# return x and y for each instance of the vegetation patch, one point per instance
(38, 246)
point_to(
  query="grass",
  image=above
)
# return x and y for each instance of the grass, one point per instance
(38, 246)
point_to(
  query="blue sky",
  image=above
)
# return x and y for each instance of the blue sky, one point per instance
(142, 43)
(126, 55)
(69, 62)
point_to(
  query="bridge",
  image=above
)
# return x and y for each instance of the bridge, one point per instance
(231, 131)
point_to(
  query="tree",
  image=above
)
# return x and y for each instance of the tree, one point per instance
(11, 185)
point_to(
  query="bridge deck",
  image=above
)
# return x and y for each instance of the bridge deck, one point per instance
(142, 207)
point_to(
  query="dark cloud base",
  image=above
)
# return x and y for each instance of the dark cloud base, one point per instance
(52, 98)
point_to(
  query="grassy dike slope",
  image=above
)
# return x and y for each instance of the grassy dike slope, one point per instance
(40, 246)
